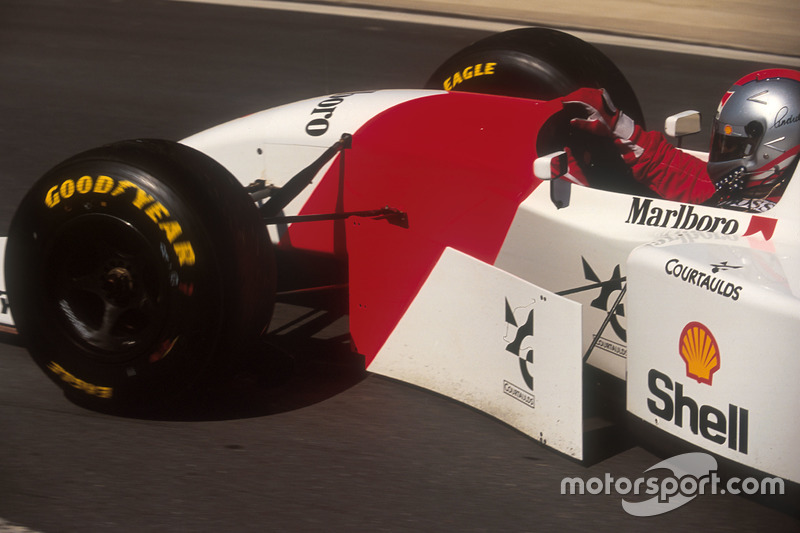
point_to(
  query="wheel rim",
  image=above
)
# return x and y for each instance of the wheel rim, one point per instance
(106, 284)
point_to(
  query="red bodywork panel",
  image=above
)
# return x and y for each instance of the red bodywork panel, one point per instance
(458, 164)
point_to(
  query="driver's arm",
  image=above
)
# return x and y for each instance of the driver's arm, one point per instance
(665, 169)
(668, 171)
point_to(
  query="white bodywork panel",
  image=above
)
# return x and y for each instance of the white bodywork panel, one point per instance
(574, 249)
(466, 336)
(275, 144)
(735, 394)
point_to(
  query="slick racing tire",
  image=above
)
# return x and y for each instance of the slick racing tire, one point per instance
(136, 271)
(537, 63)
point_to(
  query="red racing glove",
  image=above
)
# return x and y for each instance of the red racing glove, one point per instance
(604, 119)
(654, 162)
(574, 172)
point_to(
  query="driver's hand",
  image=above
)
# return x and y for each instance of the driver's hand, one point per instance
(602, 117)
(575, 172)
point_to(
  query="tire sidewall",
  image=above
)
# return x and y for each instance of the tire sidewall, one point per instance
(536, 63)
(93, 190)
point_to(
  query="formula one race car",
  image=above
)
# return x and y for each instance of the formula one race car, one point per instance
(136, 270)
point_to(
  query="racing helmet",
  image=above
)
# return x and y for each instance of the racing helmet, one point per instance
(757, 127)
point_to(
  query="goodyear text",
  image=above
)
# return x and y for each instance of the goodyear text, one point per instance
(88, 388)
(155, 210)
(472, 71)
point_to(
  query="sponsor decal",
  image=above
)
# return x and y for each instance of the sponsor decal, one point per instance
(613, 307)
(763, 225)
(517, 332)
(644, 213)
(472, 71)
(669, 403)
(615, 348)
(518, 394)
(723, 266)
(753, 205)
(603, 301)
(107, 186)
(88, 388)
(323, 112)
(700, 352)
(698, 278)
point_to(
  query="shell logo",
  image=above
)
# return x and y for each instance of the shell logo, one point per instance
(700, 351)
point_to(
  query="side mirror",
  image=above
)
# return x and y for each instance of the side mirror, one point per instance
(682, 124)
(550, 168)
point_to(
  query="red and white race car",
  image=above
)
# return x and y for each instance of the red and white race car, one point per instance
(136, 270)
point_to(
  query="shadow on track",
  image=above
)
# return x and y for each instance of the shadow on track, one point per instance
(306, 359)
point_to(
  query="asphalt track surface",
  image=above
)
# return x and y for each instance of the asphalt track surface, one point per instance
(313, 445)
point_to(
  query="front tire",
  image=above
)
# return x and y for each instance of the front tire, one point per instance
(136, 271)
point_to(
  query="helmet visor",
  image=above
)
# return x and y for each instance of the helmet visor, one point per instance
(730, 142)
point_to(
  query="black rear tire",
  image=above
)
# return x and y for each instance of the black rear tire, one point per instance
(544, 64)
(137, 271)
(538, 63)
